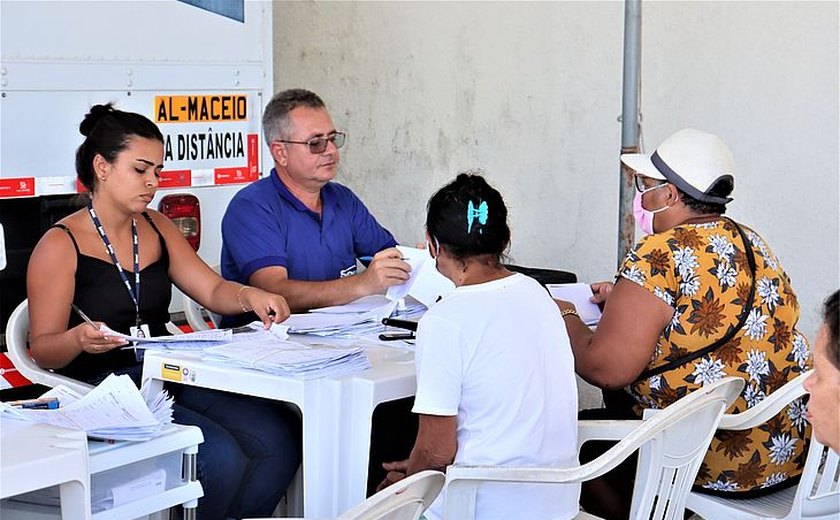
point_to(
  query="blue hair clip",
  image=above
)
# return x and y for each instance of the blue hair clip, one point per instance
(473, 213)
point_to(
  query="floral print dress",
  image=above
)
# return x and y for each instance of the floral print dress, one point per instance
(701, 271)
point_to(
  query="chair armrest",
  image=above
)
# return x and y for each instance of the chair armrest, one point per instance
(768, 408)
(173, 329)
(605, 430)
(51, 379)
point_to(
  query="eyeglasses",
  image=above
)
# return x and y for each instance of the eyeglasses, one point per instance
(640, 184)
(319, 144)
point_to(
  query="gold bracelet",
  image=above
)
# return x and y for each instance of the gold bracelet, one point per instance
(567, 312)
(239, 298)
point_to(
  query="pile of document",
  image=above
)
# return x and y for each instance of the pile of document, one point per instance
(286, 358)
(353, 320)
(113, 410)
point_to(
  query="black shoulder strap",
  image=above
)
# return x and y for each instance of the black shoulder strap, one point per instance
(732, 331)
(70, 234)
(152, 223)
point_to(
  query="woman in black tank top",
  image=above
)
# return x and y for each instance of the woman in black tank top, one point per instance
(116, 260)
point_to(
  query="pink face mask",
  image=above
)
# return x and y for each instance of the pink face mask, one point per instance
(644, 218)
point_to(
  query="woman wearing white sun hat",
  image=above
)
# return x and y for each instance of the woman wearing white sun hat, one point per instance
(700, 297)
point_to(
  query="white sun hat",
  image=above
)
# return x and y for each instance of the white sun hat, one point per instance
(691, 160)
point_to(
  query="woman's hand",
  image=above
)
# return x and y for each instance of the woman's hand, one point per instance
(270, 307)
(600, 292)
(563, 305)
(396, 472)
(94, 341)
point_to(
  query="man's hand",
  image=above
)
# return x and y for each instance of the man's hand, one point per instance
(386, 269)
(396, 472)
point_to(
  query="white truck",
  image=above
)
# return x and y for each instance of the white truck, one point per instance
(201, 69)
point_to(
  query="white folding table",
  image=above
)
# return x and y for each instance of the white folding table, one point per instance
(37, 457)
(336, 412)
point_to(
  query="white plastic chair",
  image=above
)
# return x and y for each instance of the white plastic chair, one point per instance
(195, 315)
(405, 500)
(672, 445)
(816, 497)
(194, 312)
(17, 331)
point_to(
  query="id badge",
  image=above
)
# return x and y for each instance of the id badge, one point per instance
(141, 331)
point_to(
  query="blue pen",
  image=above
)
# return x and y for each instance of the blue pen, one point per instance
(47, 403)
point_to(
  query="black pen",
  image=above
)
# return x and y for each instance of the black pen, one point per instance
(396, 337)
(402, 324)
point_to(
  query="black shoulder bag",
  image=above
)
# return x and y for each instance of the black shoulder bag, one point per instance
(729, 335)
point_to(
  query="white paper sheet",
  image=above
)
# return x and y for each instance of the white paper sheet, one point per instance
(579, 294)
(363, 304)
(217, 335)
(425, 284)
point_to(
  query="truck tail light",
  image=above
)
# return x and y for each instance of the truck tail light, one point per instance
(185, 212)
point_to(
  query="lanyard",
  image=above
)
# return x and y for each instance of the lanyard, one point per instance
(134, 294)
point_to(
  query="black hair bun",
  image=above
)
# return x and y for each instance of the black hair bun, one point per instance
(97, 112)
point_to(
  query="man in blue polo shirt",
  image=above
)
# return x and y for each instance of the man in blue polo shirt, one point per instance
(297, 233)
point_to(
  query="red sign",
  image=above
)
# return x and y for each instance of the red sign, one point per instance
(10, 373)
(19, 187)
(175, 179)
(233, 175)
(254, 155)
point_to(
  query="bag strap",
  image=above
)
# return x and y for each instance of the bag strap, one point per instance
(742, 319)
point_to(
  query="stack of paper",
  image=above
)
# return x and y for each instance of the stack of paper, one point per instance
(344, 320)
(324, 324)
(357, 319)
(290, 359)
(114, 410)
(193, 341)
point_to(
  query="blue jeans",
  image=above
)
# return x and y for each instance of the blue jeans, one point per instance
(250, 453)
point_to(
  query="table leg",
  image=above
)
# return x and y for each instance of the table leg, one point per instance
(75, 500)
(322, 444)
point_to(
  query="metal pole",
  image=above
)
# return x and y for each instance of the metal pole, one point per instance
(629, 122)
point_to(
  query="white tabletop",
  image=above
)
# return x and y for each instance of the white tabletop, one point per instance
(38, 456)
(336, 412)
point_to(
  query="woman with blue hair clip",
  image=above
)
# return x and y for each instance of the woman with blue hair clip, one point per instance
(493, 344)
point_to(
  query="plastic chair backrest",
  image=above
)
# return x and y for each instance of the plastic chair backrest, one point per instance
(17, 331)
(818, 492)
(405, 500)
(194, 315)
(672, 445)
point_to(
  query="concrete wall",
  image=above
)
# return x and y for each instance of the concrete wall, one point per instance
(530, 92)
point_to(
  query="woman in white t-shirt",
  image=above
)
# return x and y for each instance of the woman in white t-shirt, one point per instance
(495, 373)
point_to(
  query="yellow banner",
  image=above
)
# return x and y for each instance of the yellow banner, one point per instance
(199, 109)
